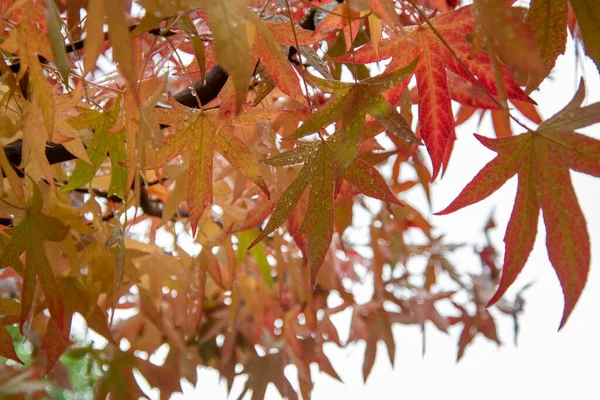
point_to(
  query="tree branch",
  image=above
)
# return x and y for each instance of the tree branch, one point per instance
(56, 153)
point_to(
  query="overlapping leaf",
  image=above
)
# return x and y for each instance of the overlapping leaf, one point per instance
(542, 160)
(372, 323)
(548, 20)
(482, 322)
(77, 299)
(28, 237)
(200, 134)
(501, 27)
(7, 348)
(435, 113)
(264, 370)
(366, 95)
(230, 28)
(325, 164)
(103, 142)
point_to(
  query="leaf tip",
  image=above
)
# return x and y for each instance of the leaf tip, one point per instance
(255, 242)
(194, 225)
(566, 314)
(265, 190)
(497, 296)
(314, 272)
(445, 211)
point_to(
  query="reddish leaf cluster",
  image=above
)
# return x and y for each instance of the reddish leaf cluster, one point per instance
(190, 181)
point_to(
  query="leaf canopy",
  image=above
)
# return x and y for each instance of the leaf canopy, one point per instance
(211, 183)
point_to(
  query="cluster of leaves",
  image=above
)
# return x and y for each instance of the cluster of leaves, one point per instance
(188, 180)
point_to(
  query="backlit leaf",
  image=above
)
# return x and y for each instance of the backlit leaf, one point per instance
(120, 38)
(200, 134)
(547, 19)
(228, 21)
(542, 160)
(103, 142)
(28, 237)
(435, 114)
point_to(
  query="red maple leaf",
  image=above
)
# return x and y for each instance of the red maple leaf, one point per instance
(435, 111)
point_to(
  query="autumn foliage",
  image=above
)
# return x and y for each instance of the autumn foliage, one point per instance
(186, 177)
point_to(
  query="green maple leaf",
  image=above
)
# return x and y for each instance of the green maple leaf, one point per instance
(103, 142)
(365, 97)
(28, 237)
(327, 162)
(322, 171)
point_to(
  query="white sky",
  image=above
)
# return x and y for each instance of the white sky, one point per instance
(547, 364)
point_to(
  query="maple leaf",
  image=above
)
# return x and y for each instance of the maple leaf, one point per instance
(364, 95)
(230, 29)
(201, 133)
(422, 306)
(120, 38)
(435, 112)
(501, 28)
(272, 58)
(28, 41)
(322, 170)
(55, 25)
(79, 300)
(372, 323)
(482, 322)
(318, 171)
(326, 162)
(103, 142)
(94, 40)
(28, 237)
(542, 160)
(119, 379)
(264, 370)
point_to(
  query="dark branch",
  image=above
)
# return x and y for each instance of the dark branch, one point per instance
(56, 153)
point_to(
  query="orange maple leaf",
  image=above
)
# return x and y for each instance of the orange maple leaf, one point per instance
(201, 133)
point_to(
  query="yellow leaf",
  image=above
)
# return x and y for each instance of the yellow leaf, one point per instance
(230, 32)
(120, 39)
(375, 29)
(94, 34)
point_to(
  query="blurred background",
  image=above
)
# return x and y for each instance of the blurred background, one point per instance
(546, 363)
